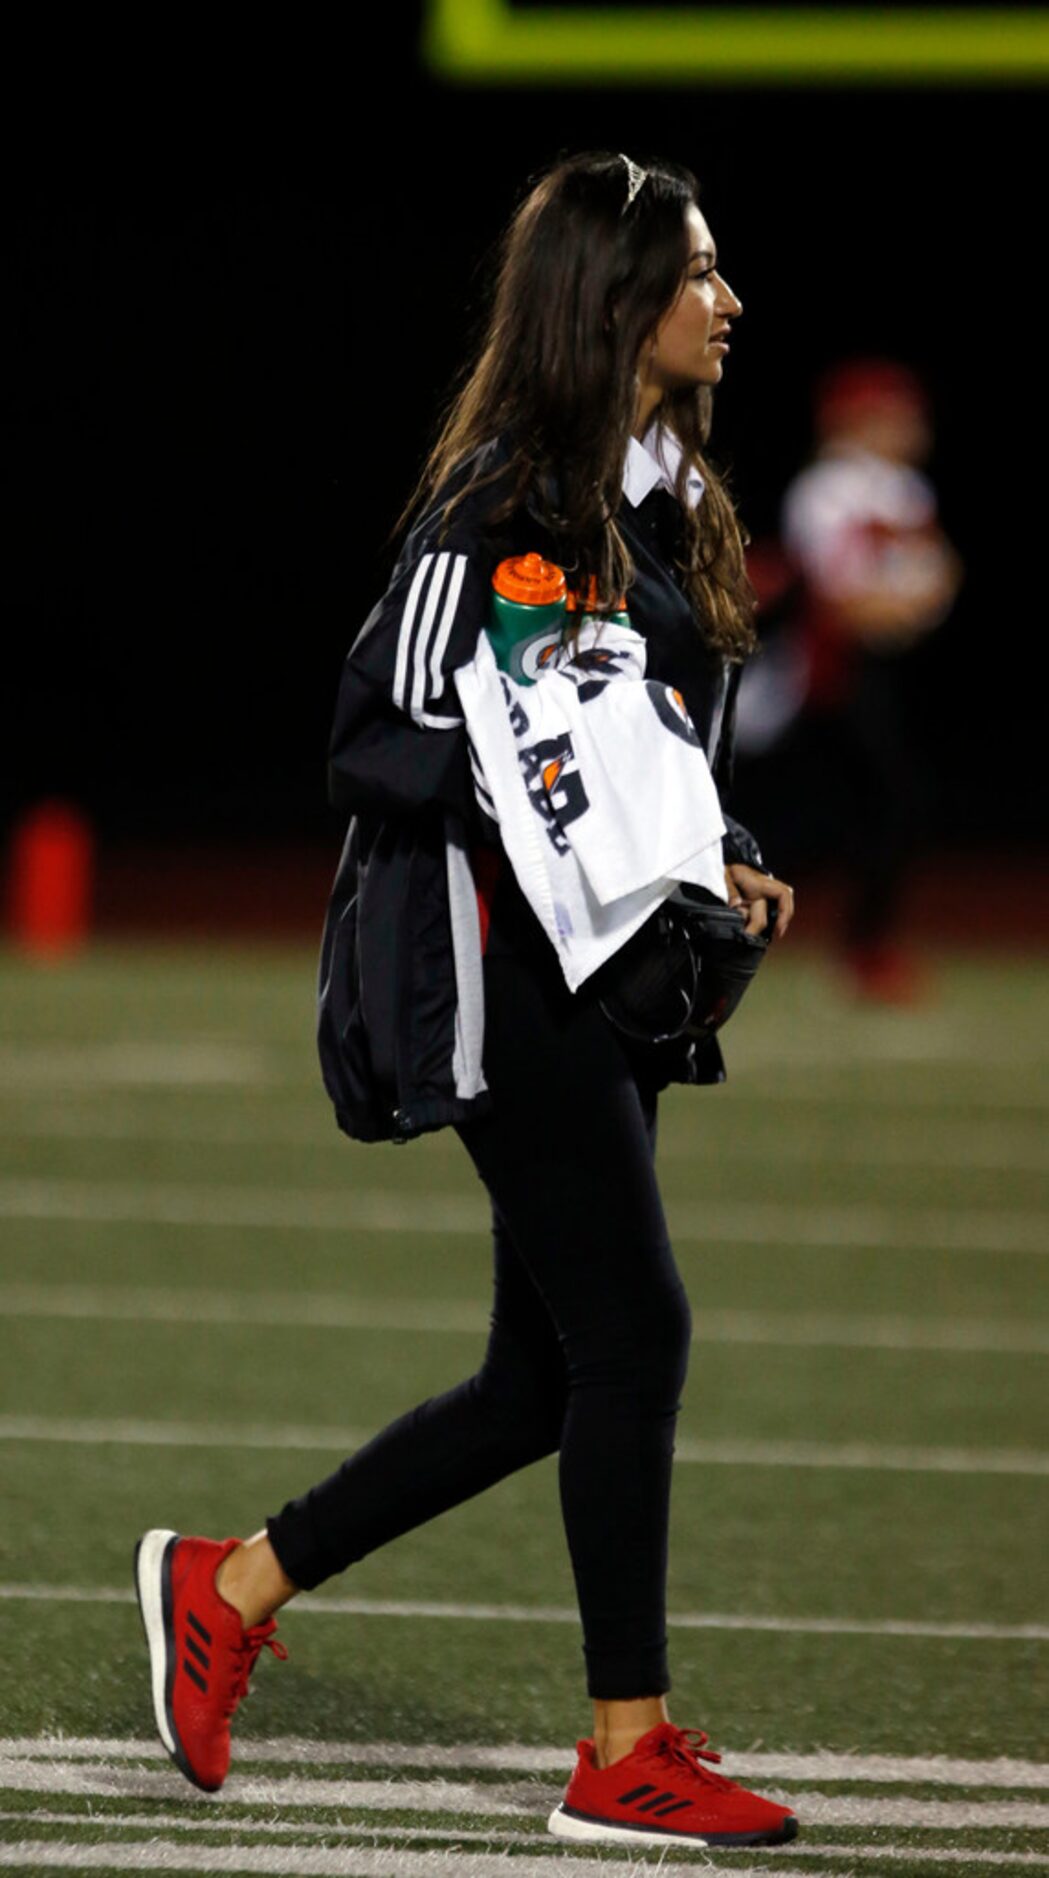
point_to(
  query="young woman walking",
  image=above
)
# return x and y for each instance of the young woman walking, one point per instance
(578, 435)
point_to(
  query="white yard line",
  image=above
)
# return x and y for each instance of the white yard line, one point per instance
(376, 1209)
(865, 1331)
(879, 1069)
(886, 1037)
(848, 1809)
(300, 1310)
(523, 1757)
(867, 1457)
(155, 1203)
(818, 1090)
(938, 1854)
(119, 1433)
(269, 1828)
(130, 1063)
(964, 1146)
(95, 1779)
(314, 1606)
(306, 1310)
(987, 1146)
(305, 1829)
(872, 1456)
(313, 1862)
(272, 1828)
(513, 1799)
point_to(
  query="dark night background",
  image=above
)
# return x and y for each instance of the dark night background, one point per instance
(238, 280)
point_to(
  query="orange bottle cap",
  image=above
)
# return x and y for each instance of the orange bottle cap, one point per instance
(529, 579)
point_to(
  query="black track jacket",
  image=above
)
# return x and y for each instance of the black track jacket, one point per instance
(400, 1001)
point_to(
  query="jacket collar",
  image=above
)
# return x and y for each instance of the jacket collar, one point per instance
(653, 463)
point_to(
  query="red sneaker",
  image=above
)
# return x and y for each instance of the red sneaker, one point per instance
(201, 1656)
(661, 1791)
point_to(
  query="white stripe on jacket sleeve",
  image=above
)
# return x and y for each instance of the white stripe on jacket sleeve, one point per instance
(425, 634)
(444, 632)
(425, 631)
(422, 574)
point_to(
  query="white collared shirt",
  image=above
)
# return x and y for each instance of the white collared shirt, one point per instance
(653, 461)
(648, 465)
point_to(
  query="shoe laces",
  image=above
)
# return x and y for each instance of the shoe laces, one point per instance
(687, 1748)
(244, 1656)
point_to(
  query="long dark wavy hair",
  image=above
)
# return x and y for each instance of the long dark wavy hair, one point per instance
(581, 284)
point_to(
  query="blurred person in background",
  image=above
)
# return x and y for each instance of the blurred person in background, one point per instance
(861, 573)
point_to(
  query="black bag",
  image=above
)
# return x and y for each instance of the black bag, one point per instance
(683, 973)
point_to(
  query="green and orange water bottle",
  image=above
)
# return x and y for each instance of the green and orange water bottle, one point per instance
(532, 608)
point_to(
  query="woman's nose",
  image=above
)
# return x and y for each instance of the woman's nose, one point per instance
(729, 301)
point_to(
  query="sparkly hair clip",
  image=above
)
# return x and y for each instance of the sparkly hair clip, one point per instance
(635, 177)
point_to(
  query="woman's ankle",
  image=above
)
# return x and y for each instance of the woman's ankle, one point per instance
(251, 1579)
(619, 1726)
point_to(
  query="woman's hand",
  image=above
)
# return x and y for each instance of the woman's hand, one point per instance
(747, 888)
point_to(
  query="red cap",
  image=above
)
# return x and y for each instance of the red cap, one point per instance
(861, 385)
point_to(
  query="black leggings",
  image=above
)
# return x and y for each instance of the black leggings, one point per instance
(590, 1329)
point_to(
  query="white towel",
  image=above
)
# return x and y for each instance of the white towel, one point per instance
(600, 787)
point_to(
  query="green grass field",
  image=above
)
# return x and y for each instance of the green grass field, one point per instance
(209, 1295)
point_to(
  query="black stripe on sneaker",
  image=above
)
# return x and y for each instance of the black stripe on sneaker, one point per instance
(636, 1793)
(198, 1626)
(657, 1800)
(195, 1650)
(193, 1676)
(662, 1811)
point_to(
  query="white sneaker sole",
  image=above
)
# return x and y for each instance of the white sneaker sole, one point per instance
(153, 1587)
(597, 1832)
(566, 1825)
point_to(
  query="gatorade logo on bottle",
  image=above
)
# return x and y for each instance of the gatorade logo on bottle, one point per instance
(529, 599)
